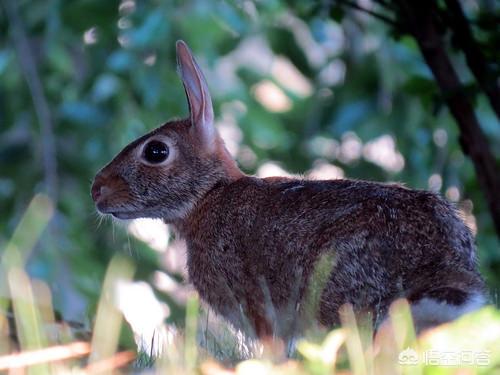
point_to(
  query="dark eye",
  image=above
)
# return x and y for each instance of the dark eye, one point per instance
(155, 152)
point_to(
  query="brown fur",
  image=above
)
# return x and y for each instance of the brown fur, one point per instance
(253, 243)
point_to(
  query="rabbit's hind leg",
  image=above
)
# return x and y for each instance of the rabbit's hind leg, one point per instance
(444, 305)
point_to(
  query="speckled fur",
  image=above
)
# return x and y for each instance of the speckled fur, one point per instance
(253, 243)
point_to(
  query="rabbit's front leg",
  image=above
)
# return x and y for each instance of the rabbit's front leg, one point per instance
(258, 320)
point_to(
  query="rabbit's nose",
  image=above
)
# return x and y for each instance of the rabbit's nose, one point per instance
(100, 188)
(96, 191)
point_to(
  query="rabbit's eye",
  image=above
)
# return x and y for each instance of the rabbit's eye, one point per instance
(155, 152)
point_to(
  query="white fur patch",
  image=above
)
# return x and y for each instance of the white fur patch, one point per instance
(429, 312)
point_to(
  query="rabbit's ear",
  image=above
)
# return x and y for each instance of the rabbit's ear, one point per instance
(200, 103)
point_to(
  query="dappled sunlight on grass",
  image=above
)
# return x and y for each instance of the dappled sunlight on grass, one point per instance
(470, 343)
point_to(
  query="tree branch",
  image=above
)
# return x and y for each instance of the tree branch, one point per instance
(473, 54)
(372, 13)
(29, 70)
(418, 17)
(385, 3)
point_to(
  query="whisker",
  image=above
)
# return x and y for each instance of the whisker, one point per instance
(99, 218)
(113, 230)
(129, 246)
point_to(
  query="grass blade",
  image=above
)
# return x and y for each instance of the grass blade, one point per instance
(108, 318)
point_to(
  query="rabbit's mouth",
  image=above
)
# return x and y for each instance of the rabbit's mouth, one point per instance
(119, 214)
(124, 215)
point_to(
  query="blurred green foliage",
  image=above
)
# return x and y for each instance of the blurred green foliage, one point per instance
(108, 72)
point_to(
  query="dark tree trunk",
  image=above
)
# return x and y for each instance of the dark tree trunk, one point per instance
(476, 61)
(420, 19)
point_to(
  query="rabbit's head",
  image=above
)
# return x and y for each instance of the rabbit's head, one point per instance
(165, 172)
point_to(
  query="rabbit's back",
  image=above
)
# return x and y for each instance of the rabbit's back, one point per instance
(257, 240)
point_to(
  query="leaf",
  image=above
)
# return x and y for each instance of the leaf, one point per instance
(83, 113)
(105, 87)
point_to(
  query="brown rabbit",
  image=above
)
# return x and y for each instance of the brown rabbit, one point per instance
(253, 244)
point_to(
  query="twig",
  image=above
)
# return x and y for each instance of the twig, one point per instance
(55, 353)
(473, 54)
(384, 3)
(419, 18)
(384, 18)
(29, 70)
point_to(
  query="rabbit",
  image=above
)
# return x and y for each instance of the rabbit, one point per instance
(253, 243)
